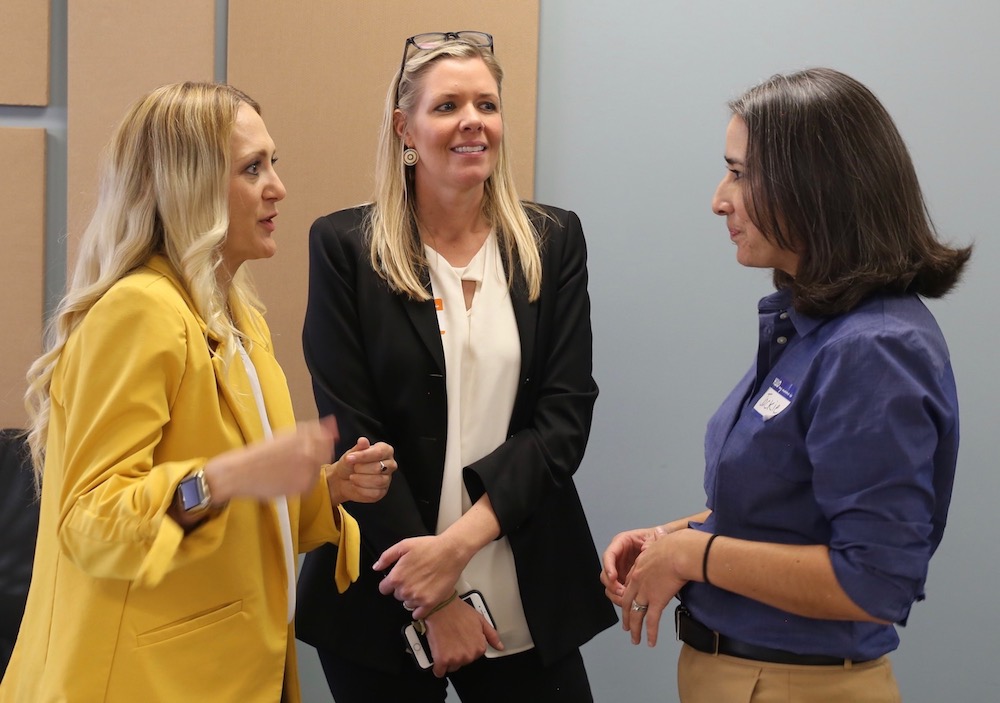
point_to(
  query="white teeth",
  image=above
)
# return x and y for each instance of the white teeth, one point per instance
(469, 149)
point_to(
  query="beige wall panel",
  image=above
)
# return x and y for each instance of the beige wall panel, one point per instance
(119, 50)
(22, 240)
(321, 70)
(24, 52)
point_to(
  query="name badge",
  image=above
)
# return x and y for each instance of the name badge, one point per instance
(771, 403)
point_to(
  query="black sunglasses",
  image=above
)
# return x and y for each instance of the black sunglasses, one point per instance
(432, 40)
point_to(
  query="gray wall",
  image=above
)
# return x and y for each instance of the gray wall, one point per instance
(631, 125)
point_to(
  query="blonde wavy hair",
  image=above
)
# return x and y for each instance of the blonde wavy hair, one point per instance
(394, 243)
(164, 189)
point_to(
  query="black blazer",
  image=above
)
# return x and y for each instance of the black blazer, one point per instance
(377, 363)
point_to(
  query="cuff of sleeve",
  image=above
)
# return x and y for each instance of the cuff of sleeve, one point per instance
(348, 551)
(159, 558)
(876, 587)
(172, 548)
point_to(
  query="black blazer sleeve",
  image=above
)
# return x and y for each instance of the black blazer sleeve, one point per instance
(347, 306)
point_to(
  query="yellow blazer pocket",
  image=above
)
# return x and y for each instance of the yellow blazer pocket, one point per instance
(191, 624)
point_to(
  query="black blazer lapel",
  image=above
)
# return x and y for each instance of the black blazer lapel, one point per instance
(526, 314)
(423, 315)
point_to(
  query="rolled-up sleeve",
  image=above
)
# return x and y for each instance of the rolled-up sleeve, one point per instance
(883, 442)
(111, 400)
(317, 527)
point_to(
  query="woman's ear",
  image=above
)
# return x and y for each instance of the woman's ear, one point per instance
(399, 123)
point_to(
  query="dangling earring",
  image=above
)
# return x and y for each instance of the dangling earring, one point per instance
(410, 156)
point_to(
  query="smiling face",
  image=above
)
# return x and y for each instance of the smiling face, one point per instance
(455, 126)
(752, 247)
(254, 190)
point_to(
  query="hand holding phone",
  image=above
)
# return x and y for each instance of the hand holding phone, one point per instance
(416, 641)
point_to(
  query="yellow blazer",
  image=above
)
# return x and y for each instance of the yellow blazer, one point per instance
(123, 605)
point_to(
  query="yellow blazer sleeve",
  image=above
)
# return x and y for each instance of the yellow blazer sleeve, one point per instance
(317, 527)
(113, 396)
(348, 551)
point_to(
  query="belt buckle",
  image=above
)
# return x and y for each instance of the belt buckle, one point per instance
(682, 612)
(679, 612)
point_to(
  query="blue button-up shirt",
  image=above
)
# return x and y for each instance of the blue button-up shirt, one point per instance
(844, 433)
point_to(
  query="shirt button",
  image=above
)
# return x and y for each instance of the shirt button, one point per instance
(781, 340)
(783, 316)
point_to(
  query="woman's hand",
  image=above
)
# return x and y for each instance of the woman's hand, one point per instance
(619, 558)
(458, 635)
(664, 564)
(362, 474)
(287, 464)
(427, 568)
(424, 571)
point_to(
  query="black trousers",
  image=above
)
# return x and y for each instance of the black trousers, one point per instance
(515, 678)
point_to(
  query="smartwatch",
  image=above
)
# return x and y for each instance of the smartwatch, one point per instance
(193, 496)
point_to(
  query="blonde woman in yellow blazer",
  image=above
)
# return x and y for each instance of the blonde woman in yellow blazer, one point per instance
(160, 384)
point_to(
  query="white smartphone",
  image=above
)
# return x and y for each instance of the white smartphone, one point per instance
(416, 642)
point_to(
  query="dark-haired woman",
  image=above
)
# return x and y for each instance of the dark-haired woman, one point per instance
(829, 467)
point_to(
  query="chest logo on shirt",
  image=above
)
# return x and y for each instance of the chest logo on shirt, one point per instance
(775, 399)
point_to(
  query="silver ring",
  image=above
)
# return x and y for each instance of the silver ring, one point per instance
(407, 608)
(638, 607)
(383, 468)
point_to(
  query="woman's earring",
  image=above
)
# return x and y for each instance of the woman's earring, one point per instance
(410, 156)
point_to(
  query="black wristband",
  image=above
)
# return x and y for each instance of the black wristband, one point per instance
(704, 560)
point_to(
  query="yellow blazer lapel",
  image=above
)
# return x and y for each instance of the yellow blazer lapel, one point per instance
(236, 391)
(233, 382)
(273, 384)
(277, 400)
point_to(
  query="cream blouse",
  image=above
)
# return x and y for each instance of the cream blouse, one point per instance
(482, 353)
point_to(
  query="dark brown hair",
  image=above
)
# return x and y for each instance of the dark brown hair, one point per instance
(829, 177)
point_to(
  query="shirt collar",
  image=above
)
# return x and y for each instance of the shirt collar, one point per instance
(781, 300)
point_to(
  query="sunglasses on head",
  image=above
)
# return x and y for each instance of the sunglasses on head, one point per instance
(432, 40)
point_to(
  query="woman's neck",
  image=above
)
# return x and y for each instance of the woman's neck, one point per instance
(454, 227)
(224, 279)
(447, 216)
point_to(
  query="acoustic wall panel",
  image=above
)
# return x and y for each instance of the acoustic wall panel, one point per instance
(321, 71)
(119, 50)
(22, 241)
(24, 52)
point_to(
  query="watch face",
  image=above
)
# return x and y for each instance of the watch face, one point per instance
(191, 495)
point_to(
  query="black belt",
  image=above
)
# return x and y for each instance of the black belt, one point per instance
(709, 641)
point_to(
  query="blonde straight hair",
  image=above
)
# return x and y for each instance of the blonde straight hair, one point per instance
(164, 189)
(394, 243)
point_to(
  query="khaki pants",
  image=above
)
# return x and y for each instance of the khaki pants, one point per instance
(709, 678)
